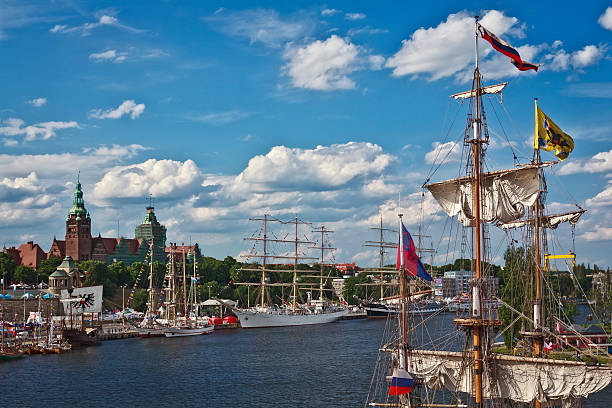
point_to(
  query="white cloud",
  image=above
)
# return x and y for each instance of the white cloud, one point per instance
(605, 20)
(600, 233)
(589, 55)
(330, 12)
(128, 107)
(602, 199)
(322, 168)
(162, 178)
(43, 130)
(325, 65)
(42, 184)
(367, 257)
(414, 206)
(221, 118)
(366, 30)
(561, 60)
(378, 188)
(37, 102)
(86, 28)
(599, 163)
(261, 26)
(109, 55)
(443, 153)
(354, 16)
(447, 50)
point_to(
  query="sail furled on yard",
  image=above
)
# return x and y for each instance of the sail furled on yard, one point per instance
(548, 221)
(521, 379)
(504, 195)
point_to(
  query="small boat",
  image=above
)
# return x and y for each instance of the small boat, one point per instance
(187, 331)
(10, 354)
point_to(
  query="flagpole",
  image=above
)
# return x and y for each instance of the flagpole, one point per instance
(536, 142)
(403, 357)
(476, 37)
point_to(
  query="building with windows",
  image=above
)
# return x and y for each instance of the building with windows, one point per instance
(454, 283)
(81, 246)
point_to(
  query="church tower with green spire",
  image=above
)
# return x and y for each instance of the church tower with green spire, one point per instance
(78, 228)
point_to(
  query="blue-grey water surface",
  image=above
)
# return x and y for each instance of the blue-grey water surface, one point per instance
(312, 366)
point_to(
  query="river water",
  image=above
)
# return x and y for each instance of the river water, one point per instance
(312, 366)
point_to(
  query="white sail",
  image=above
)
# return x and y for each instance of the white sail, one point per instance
(491, 89)
(549, 221)
(521, 379)
(505, 195)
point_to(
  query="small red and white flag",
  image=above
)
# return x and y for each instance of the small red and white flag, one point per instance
(548, 346)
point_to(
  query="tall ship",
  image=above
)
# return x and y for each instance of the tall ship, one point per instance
(267, 313)
(535, 366)
(150, 326)
(178, 323)
(389, 305)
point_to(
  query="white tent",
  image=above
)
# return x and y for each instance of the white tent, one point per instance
(215, 302)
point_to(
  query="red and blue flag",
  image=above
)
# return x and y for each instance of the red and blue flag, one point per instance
(401, 382)
(407, 256)
(524, 65)
(506, 49)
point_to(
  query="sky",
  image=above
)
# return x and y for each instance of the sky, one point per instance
(224, 111)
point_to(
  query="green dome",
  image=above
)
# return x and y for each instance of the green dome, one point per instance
(78, 204)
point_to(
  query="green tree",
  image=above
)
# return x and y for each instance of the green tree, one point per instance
(25, 274)
(120, 275)
(207, 288)
(47, 267)
(514, 291)
(96, 273)
(353, 293)
(7, 268)
(139, 302)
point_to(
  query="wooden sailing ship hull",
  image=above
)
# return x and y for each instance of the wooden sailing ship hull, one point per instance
(80, 338)
(250, 319)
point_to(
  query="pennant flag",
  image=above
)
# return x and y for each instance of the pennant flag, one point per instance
(506, 49)
(550, 137)
(407, 256)
(401, 382)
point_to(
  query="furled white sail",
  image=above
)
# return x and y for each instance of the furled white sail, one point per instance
(505, 195)
(549, 221)
(491, 89)
(521, 379)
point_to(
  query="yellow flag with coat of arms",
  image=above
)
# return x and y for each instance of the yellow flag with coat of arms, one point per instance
(549, 136)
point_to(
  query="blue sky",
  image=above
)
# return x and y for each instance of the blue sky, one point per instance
(225, 111)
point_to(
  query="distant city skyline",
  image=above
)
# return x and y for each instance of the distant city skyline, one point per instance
(225, 111)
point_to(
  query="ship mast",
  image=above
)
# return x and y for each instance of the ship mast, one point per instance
(537, 304)
(382, 245)
(404, 317)
(150, 305)
(476, 301)
(295, 258)
(323, 231)
(184, 285)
